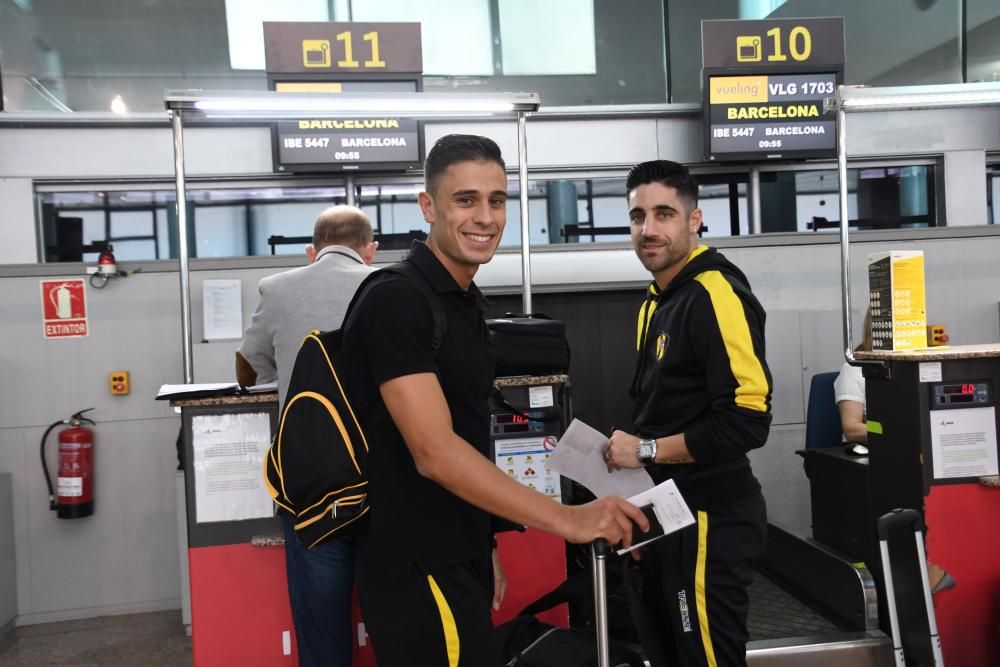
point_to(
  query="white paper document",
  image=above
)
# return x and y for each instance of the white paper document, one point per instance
(669, 507)
(964, 442)
(207, 389)
(579, 456)
(228, 462)
(222, 308)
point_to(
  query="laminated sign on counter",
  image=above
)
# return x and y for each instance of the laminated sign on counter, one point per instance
(897, 299)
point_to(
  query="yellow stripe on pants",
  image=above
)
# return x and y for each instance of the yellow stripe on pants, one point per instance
(447, 622)
(699, 588)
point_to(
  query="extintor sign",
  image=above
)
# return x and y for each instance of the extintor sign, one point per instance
(64, 308)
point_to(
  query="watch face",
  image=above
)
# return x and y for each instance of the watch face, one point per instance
(647, 449)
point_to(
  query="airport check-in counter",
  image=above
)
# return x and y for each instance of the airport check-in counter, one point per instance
(239, 598)
(240, 612)
(522, 437)
(932, 434)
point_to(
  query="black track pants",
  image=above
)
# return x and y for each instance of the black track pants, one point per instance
(695, 583)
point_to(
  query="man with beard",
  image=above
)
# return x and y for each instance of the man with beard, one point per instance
(702, 394)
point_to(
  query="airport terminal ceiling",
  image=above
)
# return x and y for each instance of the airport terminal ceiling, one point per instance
(61, 55)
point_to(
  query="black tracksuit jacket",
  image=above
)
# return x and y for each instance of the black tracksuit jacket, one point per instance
(701, 372)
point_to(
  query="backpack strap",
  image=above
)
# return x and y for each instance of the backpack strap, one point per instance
(415, 277)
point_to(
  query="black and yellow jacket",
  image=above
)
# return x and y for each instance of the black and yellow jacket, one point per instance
(701, 372)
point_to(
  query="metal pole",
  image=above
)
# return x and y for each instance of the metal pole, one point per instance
(963, 46)
(522, 168)
(754, 200)
(349, 188)
(177, 124)
(845, 255)
(599, 551)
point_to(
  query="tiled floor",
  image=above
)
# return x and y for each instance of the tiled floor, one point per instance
(133, 640)
(157, 639)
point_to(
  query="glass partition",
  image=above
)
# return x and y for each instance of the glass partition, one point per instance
(877, 53)
(82, 56)
(982, 40)
(228, 221)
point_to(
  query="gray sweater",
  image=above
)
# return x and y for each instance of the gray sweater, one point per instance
(295, 302)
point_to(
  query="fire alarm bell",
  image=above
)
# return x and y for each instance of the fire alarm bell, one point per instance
(118, 381)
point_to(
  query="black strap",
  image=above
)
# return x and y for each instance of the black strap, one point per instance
(416, 278)
(342, 254)
(640, 618)
(578, 590)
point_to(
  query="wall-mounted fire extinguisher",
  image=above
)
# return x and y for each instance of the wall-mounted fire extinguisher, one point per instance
(74, 494)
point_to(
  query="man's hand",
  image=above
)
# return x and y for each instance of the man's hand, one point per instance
(620, 451)
(246, 376)
(609, 518)
(499, 581)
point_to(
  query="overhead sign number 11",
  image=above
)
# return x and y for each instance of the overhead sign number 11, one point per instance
(349, 62)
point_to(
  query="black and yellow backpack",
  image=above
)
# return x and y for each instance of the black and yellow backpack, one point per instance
(315, 467)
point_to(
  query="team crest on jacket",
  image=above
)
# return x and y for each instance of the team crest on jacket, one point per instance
(661, 345)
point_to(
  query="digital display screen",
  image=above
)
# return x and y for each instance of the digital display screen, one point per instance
(961, 394)
(769, 116)
(509, 418)
(346, 144)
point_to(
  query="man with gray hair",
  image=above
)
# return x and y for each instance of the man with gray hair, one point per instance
(293, 303)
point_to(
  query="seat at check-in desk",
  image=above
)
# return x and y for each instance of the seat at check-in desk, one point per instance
(838, 481)
(822, 415)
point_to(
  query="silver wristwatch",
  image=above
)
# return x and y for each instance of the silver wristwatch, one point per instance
(646, 451)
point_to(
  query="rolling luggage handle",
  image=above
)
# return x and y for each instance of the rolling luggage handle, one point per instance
(911, 518)
(599, 549)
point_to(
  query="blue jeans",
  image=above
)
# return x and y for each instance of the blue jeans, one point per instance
(320, 582)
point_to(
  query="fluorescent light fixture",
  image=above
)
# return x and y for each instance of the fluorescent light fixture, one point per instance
(275, 105)
(859, 98)
(118, 105)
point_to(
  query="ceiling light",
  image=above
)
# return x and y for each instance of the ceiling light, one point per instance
(118, 105)
(275, 105)
(859, 98)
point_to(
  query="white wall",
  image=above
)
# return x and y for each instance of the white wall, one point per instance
(17, 216)
(125, 556)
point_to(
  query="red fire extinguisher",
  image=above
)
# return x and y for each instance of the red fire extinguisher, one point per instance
(74, 494)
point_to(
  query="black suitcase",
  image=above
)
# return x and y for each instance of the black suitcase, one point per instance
(532, 344)
(907, 589)
(527, 642)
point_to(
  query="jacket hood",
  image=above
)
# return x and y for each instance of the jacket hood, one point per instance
(704, 259)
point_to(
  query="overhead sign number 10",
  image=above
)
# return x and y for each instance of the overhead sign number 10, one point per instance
(799, 44)
(349, 61)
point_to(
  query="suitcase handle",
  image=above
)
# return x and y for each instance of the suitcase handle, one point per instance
(600, 551)
(899, 516)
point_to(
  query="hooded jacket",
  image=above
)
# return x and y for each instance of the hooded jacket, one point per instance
(701, 372)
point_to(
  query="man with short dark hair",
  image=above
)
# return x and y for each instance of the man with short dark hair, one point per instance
(702, 394)
(293, 303)
(424, 565)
